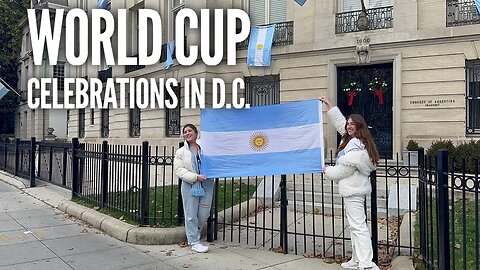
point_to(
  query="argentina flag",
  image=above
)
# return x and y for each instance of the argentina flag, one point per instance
(266, 140)
(102, 4)
(260, 46)
(477, 3)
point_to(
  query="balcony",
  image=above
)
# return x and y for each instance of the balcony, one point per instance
(105, 74)
(283, 36)
(133, 67)
(462, 13)
(378, 18)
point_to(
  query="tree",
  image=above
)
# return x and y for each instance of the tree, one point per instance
(11, 12)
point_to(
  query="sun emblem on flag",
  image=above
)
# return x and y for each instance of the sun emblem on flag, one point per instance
(259, 141)
(259, 46)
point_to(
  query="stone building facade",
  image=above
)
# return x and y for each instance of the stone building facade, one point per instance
(425, 53)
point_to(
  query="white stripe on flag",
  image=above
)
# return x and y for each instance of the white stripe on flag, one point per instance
(268, 141)
(259, 47)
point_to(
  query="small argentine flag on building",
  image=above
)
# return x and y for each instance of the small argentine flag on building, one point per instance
(477, 3)
(266, 140)
(260, 46)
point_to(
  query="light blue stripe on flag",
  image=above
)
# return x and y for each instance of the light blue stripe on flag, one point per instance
(477, 3)
(102, 4)
(273, 116)
(170, 49)
(301, 2)
(267, 140)
(260, 46)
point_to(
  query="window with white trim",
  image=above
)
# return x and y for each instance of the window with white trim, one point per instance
(267, 11)
(351, 5)
(59, 74)
(472, 69)
(176, 5)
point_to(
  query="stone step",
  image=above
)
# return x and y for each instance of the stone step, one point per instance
(336, 209)
(326, 197)
(326, 186)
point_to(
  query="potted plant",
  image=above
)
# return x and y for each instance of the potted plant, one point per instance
(410, 155)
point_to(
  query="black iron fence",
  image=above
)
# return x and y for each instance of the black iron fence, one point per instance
(449, 212)
(301, 214)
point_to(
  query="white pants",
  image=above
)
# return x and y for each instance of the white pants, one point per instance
(362, 251)
(196, 210)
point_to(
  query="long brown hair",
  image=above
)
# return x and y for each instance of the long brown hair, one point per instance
(363, 134)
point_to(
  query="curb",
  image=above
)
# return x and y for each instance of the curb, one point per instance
(124, 231)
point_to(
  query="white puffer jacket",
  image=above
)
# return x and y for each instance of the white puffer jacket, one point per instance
(183, 164)
(353, 168)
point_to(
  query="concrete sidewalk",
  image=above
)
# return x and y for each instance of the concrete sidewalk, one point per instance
(34, 234)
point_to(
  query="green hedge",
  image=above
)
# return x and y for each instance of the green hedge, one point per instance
(470, 152)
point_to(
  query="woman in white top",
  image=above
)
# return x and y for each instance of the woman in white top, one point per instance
(197, 190)
(357, 156)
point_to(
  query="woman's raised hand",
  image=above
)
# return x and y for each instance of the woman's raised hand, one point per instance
(326, 101)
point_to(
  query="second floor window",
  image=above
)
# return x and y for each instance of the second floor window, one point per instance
(172, 127)
(351, 5)
(267, 11)
(59, 74)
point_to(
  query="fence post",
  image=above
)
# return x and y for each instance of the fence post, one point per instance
(17, 143)
(443, 223)
(283, 214)
(180, 213)
(104, 173)
(64, 167)
(33, 145)
(374, 215)
(421, 198)
(75, 161)
(145, 185)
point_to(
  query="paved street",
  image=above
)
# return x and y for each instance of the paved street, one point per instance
(34, 235)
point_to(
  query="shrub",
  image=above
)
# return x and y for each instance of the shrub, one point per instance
(441, 144)
(412, 145)
(469, 152)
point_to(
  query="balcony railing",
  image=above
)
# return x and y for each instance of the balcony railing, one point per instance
(283, 35)
(379, 18)
(133, 67)
(105, 74)
(462, 12)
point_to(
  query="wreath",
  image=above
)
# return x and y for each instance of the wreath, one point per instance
(352, 89)
(378, 87)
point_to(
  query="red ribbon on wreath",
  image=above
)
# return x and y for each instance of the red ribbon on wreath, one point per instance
(351, 96)
(379, 94)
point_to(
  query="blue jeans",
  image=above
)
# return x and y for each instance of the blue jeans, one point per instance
(196, 210)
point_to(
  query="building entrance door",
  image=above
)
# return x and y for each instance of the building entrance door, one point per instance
(368, 91)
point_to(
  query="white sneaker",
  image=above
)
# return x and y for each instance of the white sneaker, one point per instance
(349, 265)
(199, 248)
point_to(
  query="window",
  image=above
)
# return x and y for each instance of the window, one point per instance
(134, 122)
(59, 73)
(351, 5)
(177, 5)
(92, 117)
(473, 96)
(134, 28)
(81, 123)
(173, 116)
(267, 11)
(263, 90)
(105, 128)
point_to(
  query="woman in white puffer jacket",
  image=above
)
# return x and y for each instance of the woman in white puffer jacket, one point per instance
(197, 190)
(357, 157)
